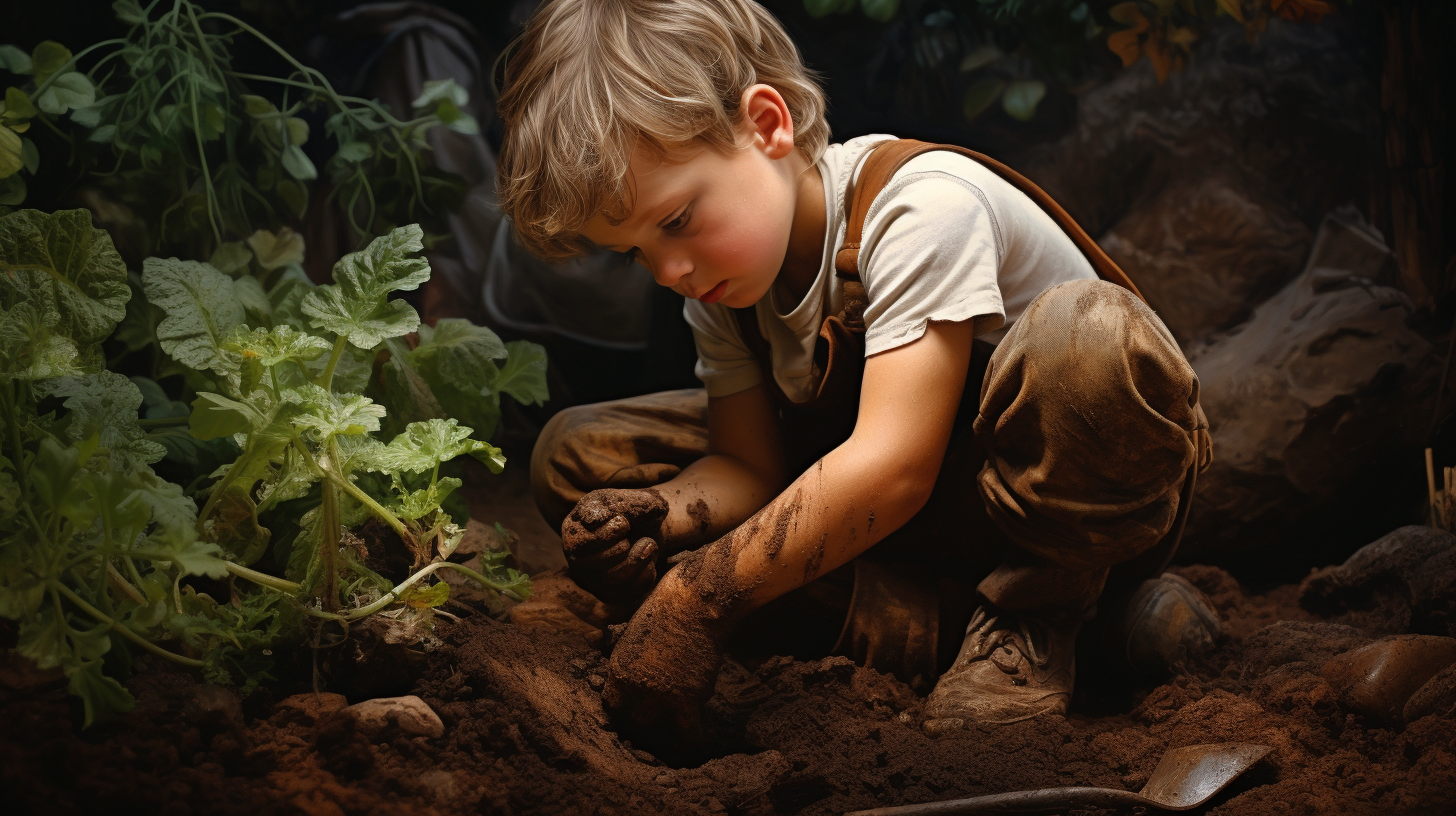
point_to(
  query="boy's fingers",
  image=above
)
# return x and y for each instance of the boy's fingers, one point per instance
(578, 538)
(600, 560)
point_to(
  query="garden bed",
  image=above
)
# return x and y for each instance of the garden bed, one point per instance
(525, 731)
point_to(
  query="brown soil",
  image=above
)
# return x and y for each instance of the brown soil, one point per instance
(526, 733)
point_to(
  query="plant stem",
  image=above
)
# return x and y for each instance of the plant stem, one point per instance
(393, 595)
(373, 506)
(120, 627)
(329, 546)
(263, 579)
(219, 488)
(326, 380)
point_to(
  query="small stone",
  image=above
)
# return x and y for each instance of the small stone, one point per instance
(596, 681)
(440, 784)
(409, 714)
(644, 757)
(1379, 679)
(663, 779)
(905, 718)
(1437, 696)
(314, 706)
(941, 727)
(215, 705)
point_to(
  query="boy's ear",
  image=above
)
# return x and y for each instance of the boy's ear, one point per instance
(767, 121)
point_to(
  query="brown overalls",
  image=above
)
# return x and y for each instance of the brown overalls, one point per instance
(1083, 447)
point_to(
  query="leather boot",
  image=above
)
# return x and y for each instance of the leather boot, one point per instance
(1011, 667)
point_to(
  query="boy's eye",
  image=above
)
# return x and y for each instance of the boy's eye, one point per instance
(677, 223)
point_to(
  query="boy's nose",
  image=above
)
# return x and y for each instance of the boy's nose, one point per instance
(671, 270)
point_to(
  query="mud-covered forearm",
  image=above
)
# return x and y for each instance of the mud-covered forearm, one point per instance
(710, 497)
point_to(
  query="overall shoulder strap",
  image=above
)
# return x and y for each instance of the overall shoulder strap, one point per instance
(888, 157)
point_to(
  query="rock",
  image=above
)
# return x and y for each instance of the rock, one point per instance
(214, 705)
(1205, 248)
(1437, 696)
(315, 707)
(409, 714)
(440, 784)
(1414, 566)
(1324, 385)
(1379, 679)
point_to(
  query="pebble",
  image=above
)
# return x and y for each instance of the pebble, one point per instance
(314, 706)
(215, 705)
(596, 681)
(409, 714)
(941, 727)
(440, 784)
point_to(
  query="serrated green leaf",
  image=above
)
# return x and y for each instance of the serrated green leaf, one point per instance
(523, 375)
(101, 696)
(328, 414)
(277, 345)
(201, 310)
(66, 270)
(420, 503)
(174, 512)
(105, 405)
(31, 350)
(68, 91)
(43, 639)
(424, 445)
(356, 305)
(53, 481)
(15, 61)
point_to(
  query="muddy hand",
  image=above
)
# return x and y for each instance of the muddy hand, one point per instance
(611, 542)
(662, 671)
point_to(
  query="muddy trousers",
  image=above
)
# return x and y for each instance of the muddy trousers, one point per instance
(1073, 458)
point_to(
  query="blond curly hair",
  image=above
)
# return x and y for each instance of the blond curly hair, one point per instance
(590, 81)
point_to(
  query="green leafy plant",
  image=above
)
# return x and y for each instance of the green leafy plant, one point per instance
(1013, 51)
(97, 550)
(205, 152)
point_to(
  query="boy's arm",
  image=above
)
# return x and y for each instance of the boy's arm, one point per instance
(612, 537)
(664, 664)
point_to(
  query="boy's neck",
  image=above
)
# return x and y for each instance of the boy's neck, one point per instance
(806, 235)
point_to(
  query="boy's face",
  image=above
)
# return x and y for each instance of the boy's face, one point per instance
(709, 225)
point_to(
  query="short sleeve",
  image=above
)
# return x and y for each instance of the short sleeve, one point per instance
(725, 365)
(931, 251)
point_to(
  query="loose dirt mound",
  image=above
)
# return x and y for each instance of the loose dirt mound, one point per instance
(525, 733)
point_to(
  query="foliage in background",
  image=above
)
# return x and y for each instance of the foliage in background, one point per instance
(96, 548)
(203, 153)
(1010, 50)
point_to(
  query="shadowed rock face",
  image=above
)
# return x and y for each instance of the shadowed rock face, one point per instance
(1225, 194)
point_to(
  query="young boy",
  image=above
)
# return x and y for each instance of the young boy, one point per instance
(689, 134)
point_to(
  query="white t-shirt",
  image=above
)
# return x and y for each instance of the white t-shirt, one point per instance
(947, 239)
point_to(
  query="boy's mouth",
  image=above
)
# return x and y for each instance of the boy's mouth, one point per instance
(712, 295)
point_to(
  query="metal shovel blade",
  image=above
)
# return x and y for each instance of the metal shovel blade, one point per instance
(1184, 779)
(1187, 777)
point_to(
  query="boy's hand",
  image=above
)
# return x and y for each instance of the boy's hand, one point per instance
(611, 541)
(663, 669)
